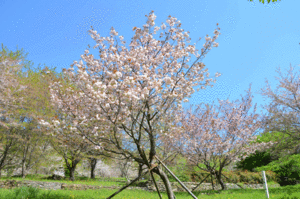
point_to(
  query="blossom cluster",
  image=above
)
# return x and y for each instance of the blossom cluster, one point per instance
(122, 88)
(10, 89)
(225, 131)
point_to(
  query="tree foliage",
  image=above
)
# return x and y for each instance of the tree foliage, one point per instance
(263, 1)
(11, 105)
(287, 169)
(283, 112)
(257, 159)
(217, 137)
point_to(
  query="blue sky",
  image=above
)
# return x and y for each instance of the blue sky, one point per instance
(255, 38)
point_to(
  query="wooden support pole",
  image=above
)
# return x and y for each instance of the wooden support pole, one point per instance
(176, 178)
(124, 187)
(200, 183)
(212, 182)
(136, 179)
(155, 185)
(232, 182)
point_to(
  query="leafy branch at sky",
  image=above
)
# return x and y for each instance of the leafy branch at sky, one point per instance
(263, 1)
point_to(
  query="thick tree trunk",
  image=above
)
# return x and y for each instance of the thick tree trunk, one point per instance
(71, 166)
(219, 178)
(72, 174)
(166, 182)
(93, 166)
(5, 154)
(23, 169)
(26, 148)
(212, 181)
(140, 169)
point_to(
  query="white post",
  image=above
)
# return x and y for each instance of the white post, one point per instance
(266, 185)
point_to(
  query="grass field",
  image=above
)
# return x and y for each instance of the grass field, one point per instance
(287, 192)
(87, 181)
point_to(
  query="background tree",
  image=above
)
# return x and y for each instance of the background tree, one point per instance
(8, 148)
(32, 146)
(200, 139)
(11, 103)
(94, 155)
(71, 147)
(93, 158)
(124, 165)
(10, 87)
(283, 112)
(33, 138)
(130, 93)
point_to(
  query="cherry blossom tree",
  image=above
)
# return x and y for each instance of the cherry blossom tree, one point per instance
(8, 148)
(10, 87)
(19, 102)
(11, 103)
(32, 145)
(33, 141)
(283, 111)
(71, 154)
(127, 94)
(93, 158)
(216, 136)
(72, 147)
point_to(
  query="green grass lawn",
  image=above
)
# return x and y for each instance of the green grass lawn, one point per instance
(291, 192)
(88, 181)
(33, 193)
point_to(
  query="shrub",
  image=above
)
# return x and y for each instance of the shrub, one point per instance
(257, 159)
(286, 168)
(256, 177)
(234, 177)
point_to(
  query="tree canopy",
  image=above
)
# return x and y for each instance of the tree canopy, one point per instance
(263, 1)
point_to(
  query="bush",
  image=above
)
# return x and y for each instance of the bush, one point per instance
(234, 177)
(288, 174)
(287, 197)
(257, 159)
(256, 178)
(286, 168)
